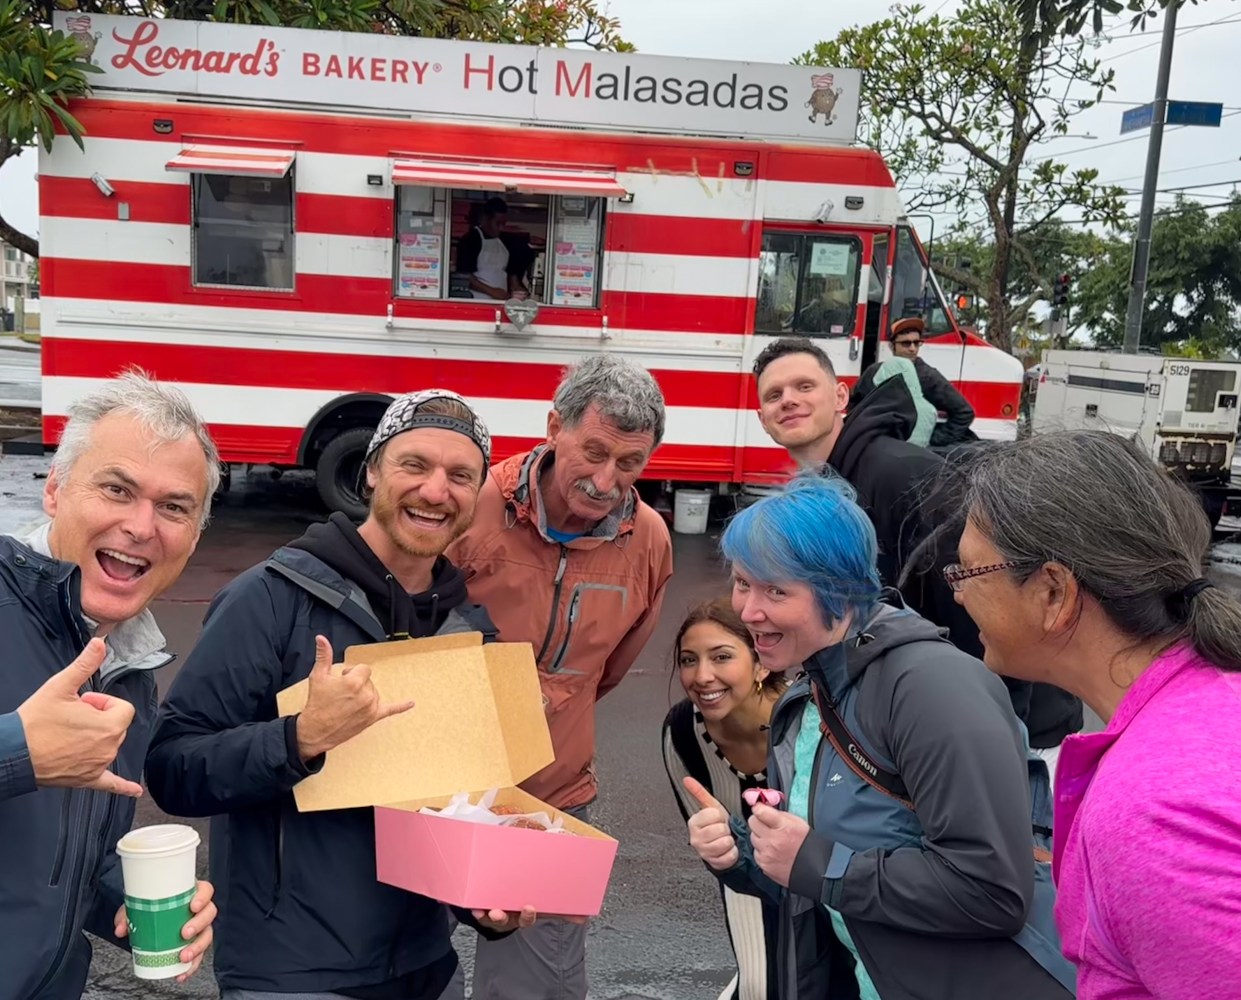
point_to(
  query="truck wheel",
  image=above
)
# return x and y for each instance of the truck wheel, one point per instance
(339, 471)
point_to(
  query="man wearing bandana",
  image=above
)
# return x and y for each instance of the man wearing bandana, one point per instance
(302, 913)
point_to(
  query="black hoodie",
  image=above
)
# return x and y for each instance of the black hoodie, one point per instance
(404, 615)
(893, 478)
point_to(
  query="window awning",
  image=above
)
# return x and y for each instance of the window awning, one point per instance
(483, 176)
(248, 161)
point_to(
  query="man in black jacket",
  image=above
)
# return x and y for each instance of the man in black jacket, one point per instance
(906, 338)
(802, 407)
(128, 496)
(302, 910)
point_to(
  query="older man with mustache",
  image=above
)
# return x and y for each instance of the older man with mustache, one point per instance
(565, 555)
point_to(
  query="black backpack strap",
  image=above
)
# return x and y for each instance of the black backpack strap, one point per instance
(685, 744)
(833, 728)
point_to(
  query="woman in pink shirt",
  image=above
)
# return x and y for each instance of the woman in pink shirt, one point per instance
(1081, 562)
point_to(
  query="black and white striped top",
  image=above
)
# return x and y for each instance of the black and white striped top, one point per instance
(751, 921)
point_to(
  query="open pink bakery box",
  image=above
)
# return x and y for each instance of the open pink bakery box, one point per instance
(478, 724)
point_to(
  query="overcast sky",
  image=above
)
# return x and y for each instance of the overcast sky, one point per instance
(1204, 69)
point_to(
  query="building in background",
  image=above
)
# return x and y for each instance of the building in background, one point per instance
(15, 284)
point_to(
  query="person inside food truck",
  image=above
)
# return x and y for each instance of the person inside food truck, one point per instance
(483, 255)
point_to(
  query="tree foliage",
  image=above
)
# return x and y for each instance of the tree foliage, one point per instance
(1193, 296)
(41, 69)
(961, 108)
(1193, 292)
(1050, 18)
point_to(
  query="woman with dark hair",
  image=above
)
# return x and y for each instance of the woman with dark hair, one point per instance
(718, 736)
(904, 862)
(1081, 562)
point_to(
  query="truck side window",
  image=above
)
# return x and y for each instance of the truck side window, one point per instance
(243, 231)
(807, 284)
(914, 289)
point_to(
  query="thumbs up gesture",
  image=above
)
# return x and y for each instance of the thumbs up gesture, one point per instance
(339, 705)
(709, 833)
(73, 738)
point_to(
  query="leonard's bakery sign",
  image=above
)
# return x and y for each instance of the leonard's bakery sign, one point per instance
(523, 83)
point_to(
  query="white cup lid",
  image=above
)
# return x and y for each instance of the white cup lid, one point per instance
(167, 838)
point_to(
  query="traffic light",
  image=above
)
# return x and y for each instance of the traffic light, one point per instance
(1060, 295)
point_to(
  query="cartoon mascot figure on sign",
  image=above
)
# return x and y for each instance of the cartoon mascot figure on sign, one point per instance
(823, 98)
(79, 31)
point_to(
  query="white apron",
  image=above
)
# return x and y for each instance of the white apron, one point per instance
(492, 265)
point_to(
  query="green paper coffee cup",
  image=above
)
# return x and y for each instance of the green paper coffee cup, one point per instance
(158, 864)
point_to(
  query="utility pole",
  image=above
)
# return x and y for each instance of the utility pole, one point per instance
(1146, 217)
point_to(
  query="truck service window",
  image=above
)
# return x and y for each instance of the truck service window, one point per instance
(807, 284)
(544, 247)
(243, 231)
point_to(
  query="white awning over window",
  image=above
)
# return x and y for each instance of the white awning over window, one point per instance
(248, 161)
(482, 176)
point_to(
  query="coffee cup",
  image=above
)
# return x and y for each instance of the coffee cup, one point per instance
(158, 864)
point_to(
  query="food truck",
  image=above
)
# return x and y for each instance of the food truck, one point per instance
(294, 226)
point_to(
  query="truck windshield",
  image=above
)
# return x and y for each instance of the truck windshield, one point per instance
(915, 292)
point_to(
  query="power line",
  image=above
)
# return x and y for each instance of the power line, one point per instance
(1186, 30)
(1178, 170)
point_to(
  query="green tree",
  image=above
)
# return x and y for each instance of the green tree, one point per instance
(1193, 294)
(1049, 18)
(1055, 248)
(960, 108)
(41, 70)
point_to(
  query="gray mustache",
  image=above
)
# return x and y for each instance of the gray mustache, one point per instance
(587, 487)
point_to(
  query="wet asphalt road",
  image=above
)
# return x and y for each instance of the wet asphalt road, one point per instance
(661, 934)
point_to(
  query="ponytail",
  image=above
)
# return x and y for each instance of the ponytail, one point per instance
(1213, 624)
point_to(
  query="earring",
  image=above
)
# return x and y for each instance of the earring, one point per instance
(758, 685)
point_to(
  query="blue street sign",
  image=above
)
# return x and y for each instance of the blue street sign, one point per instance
(1142, 116)
(1194, 113)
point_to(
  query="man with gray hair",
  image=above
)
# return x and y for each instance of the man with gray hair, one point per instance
(565, 555)
(128, 496)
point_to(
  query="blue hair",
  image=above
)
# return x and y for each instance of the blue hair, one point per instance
(810, 532)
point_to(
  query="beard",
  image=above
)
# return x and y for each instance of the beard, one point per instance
(408, 537)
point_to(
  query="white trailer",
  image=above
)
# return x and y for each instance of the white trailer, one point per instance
(1183, 411)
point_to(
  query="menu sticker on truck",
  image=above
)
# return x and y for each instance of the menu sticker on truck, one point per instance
(831, 259)
(418, 265)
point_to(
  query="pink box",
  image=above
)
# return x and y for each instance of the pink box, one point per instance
(477, 866)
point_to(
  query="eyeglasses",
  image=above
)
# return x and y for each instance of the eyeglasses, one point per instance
(908, 343)
(955, 575)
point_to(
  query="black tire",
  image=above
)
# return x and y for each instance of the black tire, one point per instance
(339, 470)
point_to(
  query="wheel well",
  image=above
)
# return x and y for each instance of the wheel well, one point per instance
(357, 410)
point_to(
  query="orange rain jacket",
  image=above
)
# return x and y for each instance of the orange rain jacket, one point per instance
(587, 606)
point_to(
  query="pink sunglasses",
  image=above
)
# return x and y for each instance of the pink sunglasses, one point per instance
(767, 796)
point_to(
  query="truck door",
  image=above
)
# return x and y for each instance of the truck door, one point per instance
(809, 285)
(915, 292)
(877, 295)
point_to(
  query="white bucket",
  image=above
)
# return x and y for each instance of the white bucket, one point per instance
(689, 511)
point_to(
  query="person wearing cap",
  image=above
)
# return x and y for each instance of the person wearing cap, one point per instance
(567, 556)
(906, 338)
(302, 913)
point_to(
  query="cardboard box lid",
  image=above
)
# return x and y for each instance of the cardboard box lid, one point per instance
(477, 723)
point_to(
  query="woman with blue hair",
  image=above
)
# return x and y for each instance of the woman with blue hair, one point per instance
(900, 847)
